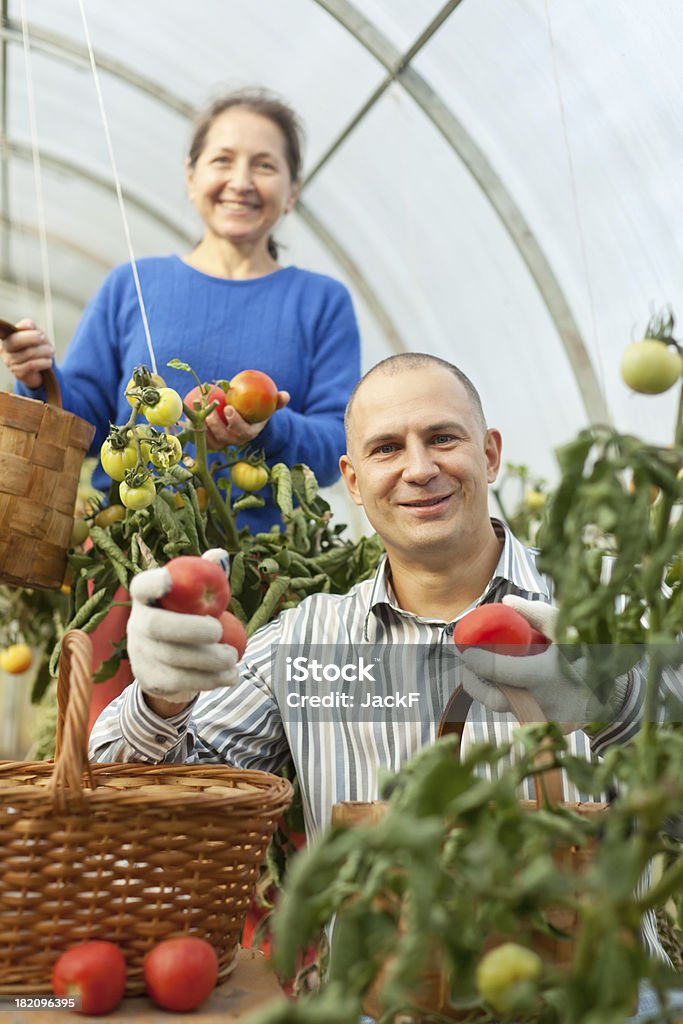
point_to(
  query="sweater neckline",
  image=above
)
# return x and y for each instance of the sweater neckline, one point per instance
(231, 280)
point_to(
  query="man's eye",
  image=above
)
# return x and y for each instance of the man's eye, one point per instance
(443, 438)
(384, 449)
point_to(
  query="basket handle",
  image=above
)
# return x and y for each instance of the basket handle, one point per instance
(74, 690)
(526, 710)
(53, 395)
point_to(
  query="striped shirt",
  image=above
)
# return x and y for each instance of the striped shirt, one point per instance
(340, 754)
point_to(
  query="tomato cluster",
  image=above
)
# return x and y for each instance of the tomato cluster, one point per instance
(179, 974)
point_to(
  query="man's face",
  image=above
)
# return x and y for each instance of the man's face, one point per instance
(420, 462)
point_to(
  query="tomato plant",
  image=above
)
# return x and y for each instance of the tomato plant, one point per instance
(505, 976)
(180, 973)
(249, 477)
(161, 407)
(203, 395)
(15, 659)
(234, 632)
(198, 587)
(495, 627)
(95, 972)
(254, 395)
(137, 492)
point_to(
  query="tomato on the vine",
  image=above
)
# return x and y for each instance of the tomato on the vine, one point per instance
(15, 659)
(164, 412)
(502, 972)
(650, 366)
(139, 495)
(249, 477)
(79, 532)
(169, 454)
(110, 515)
(117, 461)
(203, 395)
(141, 377)
(254, 395)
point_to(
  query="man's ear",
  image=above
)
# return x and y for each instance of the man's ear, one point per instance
(493, 447)
(350, 478)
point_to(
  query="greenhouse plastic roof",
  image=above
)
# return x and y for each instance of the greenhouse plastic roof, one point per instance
(496, 181)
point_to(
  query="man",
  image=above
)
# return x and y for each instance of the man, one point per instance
(419, 459)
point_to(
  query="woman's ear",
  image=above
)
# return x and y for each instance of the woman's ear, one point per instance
(293, 196)
(189, 179)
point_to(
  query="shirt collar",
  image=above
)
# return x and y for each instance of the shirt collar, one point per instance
(516, 565)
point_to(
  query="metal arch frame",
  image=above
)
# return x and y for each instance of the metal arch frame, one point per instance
(399, 69)
(59, 241)
(65, 50)
(33, 286)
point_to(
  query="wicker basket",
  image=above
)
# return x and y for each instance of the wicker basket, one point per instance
(434, 991)
(41, 453)
(131, 853)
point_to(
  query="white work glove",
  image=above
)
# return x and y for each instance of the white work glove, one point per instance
(558, 686)
(174, 655)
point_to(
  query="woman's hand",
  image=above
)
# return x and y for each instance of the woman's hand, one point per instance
(236, 430)
(27, 352)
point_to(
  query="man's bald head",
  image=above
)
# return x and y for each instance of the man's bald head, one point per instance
(406, 361)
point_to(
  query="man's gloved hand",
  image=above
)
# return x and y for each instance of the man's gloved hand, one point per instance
(557, 685)
(174, 655)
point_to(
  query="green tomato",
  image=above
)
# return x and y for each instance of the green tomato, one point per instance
(163, 458)
(650, 367)
(166, 411)
(502, 972)
(149, 379)
(249, 477)
(117, 461)
(138, 497)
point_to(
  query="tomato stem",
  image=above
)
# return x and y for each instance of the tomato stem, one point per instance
(202, 471)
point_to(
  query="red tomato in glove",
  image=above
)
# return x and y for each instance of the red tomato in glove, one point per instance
(234, 633)
(539, 641)
(95, 972)
(180, 973)
(203, 398)
(198, 587)
(254, 395)
(495, 627)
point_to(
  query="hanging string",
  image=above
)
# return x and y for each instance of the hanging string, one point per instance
(117, 184)
(40, 207)
(575, 204)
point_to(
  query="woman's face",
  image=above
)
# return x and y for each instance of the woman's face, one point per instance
(241, 184)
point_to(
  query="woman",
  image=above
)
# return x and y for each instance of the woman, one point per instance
(224, 307)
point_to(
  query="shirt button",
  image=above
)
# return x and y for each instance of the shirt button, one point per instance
(449, 630)
(160, 739)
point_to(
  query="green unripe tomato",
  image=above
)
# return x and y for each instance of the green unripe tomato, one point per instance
(503, 971)
(117, 461)
(138, 497)
(650, 367)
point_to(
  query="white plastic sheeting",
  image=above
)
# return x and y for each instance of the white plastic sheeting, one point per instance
(497, 181)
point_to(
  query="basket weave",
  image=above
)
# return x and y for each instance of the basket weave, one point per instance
(42, 448)
(131, 853)
(433, 994)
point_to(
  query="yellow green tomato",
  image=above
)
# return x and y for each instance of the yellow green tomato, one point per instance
(169, 455)
(146, 380)
(79, 532)
(650, 367)
(535, 500)
(248, 477)
(502, 972)
(110, 515)
(140, 496)
(117, 461)
(15, 659)
(166, 411)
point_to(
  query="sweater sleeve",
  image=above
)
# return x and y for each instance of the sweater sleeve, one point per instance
(314, 434)
(90, 375)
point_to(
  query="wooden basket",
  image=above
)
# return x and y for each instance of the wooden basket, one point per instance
(434, 990)
(131, 853)
(42, 448)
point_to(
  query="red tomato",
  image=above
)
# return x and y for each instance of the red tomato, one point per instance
(180, 973)
(254, 395)
(203, 395)
(539, 641)
(495, 627)
(93, 971)
(234, 632)
(198, 587)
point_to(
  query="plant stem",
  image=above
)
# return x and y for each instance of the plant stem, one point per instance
(214, 495)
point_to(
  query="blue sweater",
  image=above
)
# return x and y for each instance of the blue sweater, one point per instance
(296, 326)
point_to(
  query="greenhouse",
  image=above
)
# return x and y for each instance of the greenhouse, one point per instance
(317, 611)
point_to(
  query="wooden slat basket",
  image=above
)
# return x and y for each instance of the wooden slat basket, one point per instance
(130, 853)
(433, 995)
(42, 448)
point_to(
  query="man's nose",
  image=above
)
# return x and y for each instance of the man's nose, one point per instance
(419, 464)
